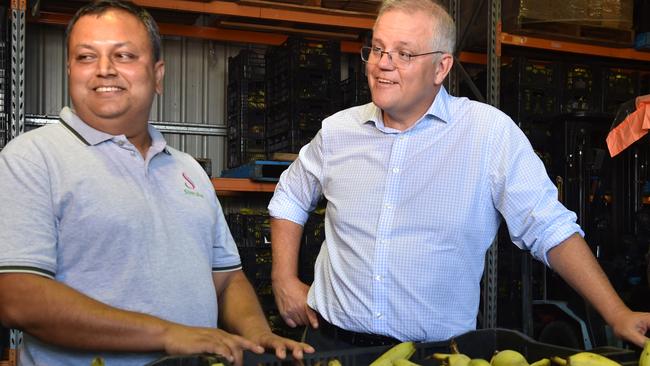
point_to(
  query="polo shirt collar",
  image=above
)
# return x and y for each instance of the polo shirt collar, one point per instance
(91, 136)
(439, 110)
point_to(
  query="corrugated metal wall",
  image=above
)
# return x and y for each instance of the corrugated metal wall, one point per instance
(194, 86)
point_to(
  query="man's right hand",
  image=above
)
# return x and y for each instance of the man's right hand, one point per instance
(291, 298)
(179, 339)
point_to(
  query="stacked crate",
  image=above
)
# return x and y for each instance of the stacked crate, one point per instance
(252, 232)
(245, 108)
(581, 89)
(312, 239)
(530, 90)
(302, 82)
(355, 90)
(619, 86)
(531, 99)
(644, 83)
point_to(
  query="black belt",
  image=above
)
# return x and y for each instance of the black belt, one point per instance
(358, 339)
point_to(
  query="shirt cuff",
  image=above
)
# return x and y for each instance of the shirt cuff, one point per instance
(227, 268)
(26, 269)
(558, 238)
(282, 208)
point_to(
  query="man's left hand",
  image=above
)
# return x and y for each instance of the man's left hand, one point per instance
(632, 326)
(281, 345)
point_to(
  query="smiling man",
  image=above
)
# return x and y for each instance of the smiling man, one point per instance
(112, 243)
(417, 183)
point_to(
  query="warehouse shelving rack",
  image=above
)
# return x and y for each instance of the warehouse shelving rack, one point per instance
(267, 11)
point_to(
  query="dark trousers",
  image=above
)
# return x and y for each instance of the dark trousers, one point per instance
(331, 337)
(347, 345)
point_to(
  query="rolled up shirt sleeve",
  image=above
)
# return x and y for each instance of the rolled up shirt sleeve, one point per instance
(300, 186)
(528, 200)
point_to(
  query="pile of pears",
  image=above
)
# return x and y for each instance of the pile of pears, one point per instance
(399, 356)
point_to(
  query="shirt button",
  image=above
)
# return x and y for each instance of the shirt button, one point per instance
(388, 206)
(120, 143)
(395, 170)
(378, 315)
(378, 278)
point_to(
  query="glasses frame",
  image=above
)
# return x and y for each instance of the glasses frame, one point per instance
(390, 56)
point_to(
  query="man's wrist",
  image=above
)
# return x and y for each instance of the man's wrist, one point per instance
(283, 277)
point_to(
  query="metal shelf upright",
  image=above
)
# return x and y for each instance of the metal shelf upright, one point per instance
(17, 116)
(493, 93)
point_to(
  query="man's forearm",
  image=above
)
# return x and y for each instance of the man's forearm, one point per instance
(285, 245)
(62, 316)
(573, 260)
(239, 309)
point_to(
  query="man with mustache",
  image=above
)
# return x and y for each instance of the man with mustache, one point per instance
(112, 243)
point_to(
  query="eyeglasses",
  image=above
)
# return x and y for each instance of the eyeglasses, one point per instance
(372, 55)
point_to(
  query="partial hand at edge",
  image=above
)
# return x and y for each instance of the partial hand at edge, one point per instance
(179, 339)
(632, 326)
(291, 298)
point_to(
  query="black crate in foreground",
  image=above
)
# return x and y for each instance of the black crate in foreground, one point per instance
(475, 344)
(191, 360)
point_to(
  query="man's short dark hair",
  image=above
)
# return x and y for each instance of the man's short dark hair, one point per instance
(99, 7)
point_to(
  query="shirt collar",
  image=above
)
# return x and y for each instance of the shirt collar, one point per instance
(158, 142)
(439, 109)
(91, 136)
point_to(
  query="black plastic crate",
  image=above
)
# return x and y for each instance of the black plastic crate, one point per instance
(256, 264)
(251, 231)
(528, 104)
(190, 360)
(245, 150)
(302, 88)
(300, 85)
(581, 88)
(258, 229)
(289, 141)
(475, 344)
(300, 53)
(304, 116)
(313, 237)
(235, 222)
(355, 90)
(246, 109)
(250, 124)
(530, 89)
(644, 83)
(619, 86)
(530, 72)
(290, 126)
(246, 122)
(247, 65)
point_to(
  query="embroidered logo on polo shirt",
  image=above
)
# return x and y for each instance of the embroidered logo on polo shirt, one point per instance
(190, 187)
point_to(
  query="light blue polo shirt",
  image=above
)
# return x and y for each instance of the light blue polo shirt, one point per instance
(143, 234)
